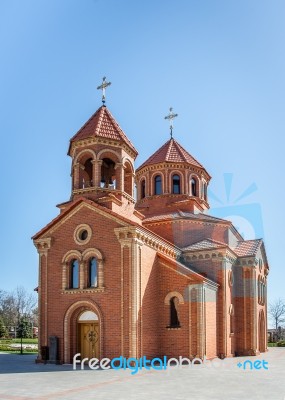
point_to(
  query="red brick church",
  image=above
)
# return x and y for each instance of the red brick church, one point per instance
(150, 275)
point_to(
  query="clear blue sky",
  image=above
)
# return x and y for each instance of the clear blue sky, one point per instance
(220, 64)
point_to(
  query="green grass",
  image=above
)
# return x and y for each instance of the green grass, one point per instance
(18, 340)
(5, 346)
(272, 344)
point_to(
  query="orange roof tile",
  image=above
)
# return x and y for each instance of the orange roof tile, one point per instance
(247, 247)
(185, 215)
(171, 151)
(102, 124)
(204, 245)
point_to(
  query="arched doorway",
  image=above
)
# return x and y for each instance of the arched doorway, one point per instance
(261, 326)
(88, 335)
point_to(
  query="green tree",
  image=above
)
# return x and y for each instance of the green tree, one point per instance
(24, 328)
(3, 329)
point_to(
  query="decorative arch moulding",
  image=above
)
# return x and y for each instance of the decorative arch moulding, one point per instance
(82, 255)
(168, 167)
(94, 141)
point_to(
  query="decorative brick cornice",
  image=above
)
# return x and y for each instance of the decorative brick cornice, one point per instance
(170, 165)
(112, 192)
(97, 140)
(246, 262)
(83, 291)
(186, 220)
(126, 235)
(42, 245)
(222, 254)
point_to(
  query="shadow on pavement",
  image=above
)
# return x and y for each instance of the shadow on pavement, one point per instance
(17, 363)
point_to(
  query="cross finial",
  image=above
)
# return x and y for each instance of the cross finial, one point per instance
(171, 117)
(103, 88)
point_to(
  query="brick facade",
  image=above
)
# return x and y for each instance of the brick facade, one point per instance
(167, 279)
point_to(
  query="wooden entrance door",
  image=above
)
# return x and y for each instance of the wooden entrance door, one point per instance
(89, 340)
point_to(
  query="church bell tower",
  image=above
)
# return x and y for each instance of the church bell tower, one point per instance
(103, 161)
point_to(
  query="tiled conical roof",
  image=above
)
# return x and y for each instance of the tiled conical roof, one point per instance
(102, 124)
(171, 151)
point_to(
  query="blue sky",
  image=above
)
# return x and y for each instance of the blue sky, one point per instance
(219, 64)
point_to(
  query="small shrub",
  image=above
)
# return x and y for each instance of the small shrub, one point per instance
(281, 343)
(271, 344)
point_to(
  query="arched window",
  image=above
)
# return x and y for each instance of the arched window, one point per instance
(143, 189)
(92, 273)
(176, 184)
(193, 183)
(128, 179)
(88, 169)
(74, 274)
(157, 185)
(85, 174)
(108, 173)
(174, 320)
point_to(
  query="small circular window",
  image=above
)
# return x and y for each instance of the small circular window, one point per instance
(82, 234)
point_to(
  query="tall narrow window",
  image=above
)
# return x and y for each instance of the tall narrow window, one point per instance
(193, 187)
(74, 274)
(93, 273)
(143, 189)
(176, 184)
(174, 320)
(157, 185)
(205, 191)
(88, 170)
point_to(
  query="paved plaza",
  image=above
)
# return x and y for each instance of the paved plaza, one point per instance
(21, 378)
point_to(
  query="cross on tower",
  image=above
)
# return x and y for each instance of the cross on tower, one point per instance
(103, 88)
(171, 117)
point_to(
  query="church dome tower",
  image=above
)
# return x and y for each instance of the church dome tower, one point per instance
(170, 180)
(103, 161)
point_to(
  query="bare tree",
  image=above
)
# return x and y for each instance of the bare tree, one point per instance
(17, 304)
(8, 310)
(25, 302)
(276, 311)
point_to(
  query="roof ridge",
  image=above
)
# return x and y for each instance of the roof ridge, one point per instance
(100, 120)
(171, 141)
(215, 241)
(150, 158)
(86, 123)
(181, 147)
(206, 239)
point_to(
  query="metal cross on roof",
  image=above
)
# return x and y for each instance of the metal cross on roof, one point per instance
(171, 117)
(103, 88)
